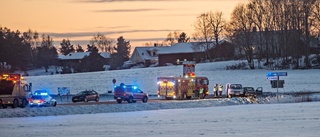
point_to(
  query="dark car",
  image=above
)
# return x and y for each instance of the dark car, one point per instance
(249, 91)
(129, 93)
(85, 96)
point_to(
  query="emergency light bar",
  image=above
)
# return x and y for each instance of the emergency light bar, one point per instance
(42, 94)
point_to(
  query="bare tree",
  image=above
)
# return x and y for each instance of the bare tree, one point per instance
(103, 43)
(315, 15)
(241, 32)
(203, 32)
(217, 24)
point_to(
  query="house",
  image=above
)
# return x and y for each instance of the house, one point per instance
(73, 59)
(163, 55)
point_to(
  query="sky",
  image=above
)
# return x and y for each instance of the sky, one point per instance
(138, 21)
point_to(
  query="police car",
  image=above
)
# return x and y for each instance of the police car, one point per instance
(42, 98)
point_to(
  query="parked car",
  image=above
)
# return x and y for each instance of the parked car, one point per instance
(85, 96)
(234, 90)
(249, 91)
(42, 98)
(129, 93)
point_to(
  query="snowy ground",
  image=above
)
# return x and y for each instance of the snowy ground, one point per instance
(146, 78)
(267, 116)
(263, 120)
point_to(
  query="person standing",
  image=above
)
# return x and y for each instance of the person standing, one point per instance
(201, 93)
(215, 90)
(220, 90)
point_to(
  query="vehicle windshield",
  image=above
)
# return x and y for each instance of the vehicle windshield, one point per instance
(82, 93)
(235, 86)
(250, 88)
(6, 87)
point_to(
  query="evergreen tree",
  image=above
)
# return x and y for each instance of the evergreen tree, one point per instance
(93, 62)
(183, 38)
(122, 53)
(46, 53)
(14, 51)
(66, 47)
(79, 49)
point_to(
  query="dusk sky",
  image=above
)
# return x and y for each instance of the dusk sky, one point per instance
(138, 21)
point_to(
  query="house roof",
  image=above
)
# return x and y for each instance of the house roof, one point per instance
(80, 55)
(189, 47)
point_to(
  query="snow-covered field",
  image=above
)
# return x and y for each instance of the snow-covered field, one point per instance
(265, 117)
(146, 78)
(257, 120)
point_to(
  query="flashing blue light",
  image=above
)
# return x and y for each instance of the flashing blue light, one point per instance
(124, 86)
(134, 87)
(43, 94)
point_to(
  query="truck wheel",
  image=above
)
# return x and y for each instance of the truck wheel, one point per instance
(119, 101)
(184, 96)
(15, 103)
(188, 97)
(24, 103)
(145, 99)
(130, 100)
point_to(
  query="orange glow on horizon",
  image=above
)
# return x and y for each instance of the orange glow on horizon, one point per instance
(139, 22)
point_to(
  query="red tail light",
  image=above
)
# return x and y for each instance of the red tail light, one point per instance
(30, 99)
(41, 100)
(158, 92)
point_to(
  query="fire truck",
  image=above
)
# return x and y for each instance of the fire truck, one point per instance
(183, 87)
(14, 91)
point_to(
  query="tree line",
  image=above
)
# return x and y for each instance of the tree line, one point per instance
(260, 29)
(276, 29)
(29, 50)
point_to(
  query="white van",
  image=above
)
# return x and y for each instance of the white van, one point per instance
(234, 90)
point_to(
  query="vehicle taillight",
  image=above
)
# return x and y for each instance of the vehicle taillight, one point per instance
(158, 92)
(41, 100)
(30, 100)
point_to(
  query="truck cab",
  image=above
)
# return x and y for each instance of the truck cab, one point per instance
(14, 91)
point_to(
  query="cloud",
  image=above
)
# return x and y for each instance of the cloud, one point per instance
(103, 1)
(128, 10)
(86, 34)
(132, 40)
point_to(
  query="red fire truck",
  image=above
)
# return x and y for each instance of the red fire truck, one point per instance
(184, 87)
(14, 91)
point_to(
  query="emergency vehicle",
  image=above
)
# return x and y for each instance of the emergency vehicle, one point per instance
(183, 87)
(14, 91)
